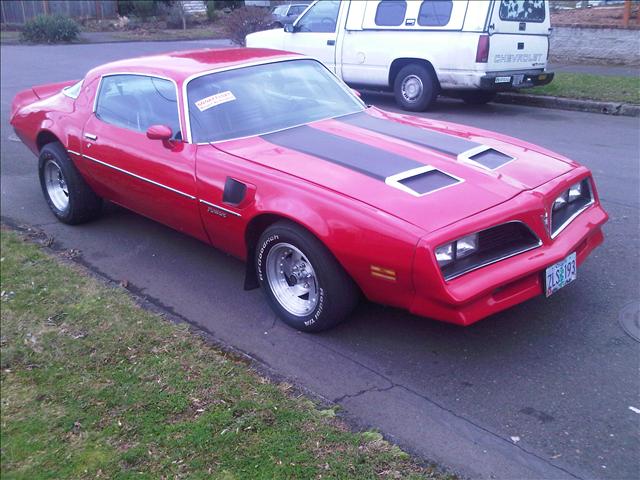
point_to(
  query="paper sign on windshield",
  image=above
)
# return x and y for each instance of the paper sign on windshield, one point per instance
(217, 99)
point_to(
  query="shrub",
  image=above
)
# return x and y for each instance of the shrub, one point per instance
(177, 17)
(243, 21)
(139, 8)
(50, 29)
(225, 4)
(212, 14)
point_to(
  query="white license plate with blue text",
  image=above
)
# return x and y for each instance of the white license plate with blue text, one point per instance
(560, 274)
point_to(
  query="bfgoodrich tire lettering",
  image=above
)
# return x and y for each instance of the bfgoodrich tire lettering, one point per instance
(70, 198)
(303, 282)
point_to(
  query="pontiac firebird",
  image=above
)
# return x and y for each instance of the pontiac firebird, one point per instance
(268, 156)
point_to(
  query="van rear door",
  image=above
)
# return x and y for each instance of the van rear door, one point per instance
(519, 32)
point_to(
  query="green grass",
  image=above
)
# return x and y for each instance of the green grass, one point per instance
(591, 87)
(169, 34)
(9, 36)
(93, 386)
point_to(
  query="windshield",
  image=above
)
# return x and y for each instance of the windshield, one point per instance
(264, 98)
(281, 10)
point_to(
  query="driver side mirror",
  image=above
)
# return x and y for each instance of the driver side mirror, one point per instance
(289, 28)
(161, 132)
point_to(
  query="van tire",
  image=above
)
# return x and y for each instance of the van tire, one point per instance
(478, 97)
(415, 87)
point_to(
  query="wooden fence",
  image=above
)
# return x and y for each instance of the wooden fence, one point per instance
(20, 11)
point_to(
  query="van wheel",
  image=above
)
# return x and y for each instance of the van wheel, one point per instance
(69, 197)
(477, 97)
(304, 283)
(415, 88)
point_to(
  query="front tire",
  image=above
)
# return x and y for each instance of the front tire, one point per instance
(415, 88)
(69, 197)
(303, 282)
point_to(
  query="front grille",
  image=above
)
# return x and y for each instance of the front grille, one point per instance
(563, 215)
(494, 244)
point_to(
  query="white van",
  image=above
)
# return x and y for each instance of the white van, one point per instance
(419, 49)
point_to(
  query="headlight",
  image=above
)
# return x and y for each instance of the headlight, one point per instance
(561, 201)
(444, 254)
(575, 192)
(466, 245)
(461, 248)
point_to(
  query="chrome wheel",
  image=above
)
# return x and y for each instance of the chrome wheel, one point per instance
(56, 185)
(292, 279)
(411, 88)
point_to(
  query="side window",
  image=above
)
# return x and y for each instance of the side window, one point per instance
(296, 10)
(323, 17)
(391, 13)
(136, 102)
(435, 13)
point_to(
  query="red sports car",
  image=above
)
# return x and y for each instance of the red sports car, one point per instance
(267, 156)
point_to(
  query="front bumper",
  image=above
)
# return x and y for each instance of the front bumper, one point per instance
(506, 283)
(502, 81)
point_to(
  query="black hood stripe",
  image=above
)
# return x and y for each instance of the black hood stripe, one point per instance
(442, 142)
(364, 158)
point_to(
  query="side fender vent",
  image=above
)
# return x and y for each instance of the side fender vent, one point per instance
(421, 181)
(485, 157)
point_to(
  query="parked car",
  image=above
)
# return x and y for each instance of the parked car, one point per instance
(269, 157)
(286, 14)
(420, 49)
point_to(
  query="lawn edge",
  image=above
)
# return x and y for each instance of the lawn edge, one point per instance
(73, 259)
(574, 104)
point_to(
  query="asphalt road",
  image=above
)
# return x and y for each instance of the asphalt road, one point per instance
(540, 391)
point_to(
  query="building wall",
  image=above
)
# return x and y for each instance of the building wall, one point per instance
(570, 44)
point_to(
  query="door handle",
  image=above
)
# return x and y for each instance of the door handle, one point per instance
(90, 136)
(331, 42)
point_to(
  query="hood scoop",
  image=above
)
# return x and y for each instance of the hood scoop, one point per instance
(485, 157)
(422, 181)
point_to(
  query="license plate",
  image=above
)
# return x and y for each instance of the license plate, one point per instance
(503, 79)
(518, 79)
(560, 274)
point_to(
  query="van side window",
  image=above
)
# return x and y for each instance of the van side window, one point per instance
(435, 13)
(391, 13)
(321, 18)
(522, 10)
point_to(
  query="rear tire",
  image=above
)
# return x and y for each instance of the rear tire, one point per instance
(304, 284)
(478, 97)
(69, 197)
(415, 88)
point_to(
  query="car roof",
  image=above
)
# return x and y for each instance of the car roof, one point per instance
(183, 64)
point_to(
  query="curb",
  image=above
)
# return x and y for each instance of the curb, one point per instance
(608, 108)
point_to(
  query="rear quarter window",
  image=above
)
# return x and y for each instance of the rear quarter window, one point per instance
(522, 10)
(391, 13)
(435, 13)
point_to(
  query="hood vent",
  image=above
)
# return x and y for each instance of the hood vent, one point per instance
(421, 181)
(485, 157)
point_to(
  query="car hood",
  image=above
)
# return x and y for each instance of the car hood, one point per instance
(428, 173)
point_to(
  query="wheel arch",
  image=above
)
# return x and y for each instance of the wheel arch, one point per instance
(264, 220)
(45, 137)
(399, 63)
